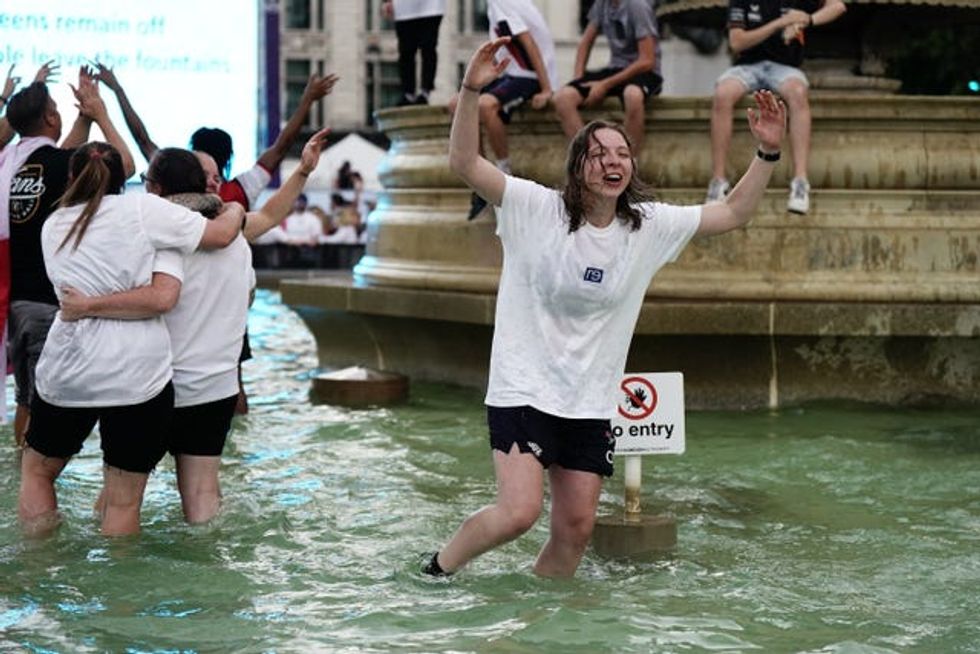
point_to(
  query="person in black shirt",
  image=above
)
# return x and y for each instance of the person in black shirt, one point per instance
(766, 38)
(35, 190)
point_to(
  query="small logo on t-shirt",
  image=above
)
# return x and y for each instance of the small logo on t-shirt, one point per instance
(593, 275)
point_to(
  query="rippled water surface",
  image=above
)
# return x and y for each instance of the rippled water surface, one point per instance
(822, 529)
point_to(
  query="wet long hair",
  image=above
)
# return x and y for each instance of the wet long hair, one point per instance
(95, 171)
(176, 170)
(574, 193)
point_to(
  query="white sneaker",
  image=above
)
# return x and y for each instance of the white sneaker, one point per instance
(799, 196)
(717, 189)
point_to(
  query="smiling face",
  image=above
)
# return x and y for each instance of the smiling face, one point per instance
(210, 172)
(608, 165)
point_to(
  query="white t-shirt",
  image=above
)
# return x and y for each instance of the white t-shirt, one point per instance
(303, 227)
(568, 303)
(208, 323)
(409, 9)
(97, 362)
(513, 17)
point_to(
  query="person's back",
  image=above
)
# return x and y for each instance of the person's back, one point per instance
(95, 361)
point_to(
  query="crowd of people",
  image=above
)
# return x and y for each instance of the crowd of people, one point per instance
(129, 310)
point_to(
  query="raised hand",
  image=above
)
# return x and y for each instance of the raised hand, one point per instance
(483, 67)
(106, 75)
(88, 101)
(47, 72)
(767, 121)
(319, 87)
(310, 157)
(10, 83)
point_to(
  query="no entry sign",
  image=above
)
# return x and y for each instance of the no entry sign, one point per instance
(650, 414)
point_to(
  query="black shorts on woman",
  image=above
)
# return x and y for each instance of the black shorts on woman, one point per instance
(584, 444)
(649, 82)
(134, 436)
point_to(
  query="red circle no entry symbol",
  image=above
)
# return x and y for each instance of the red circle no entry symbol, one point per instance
(640, 400)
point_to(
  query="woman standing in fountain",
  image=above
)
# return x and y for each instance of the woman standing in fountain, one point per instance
(577, 263)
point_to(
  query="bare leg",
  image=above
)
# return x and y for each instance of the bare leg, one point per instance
(520, 491)
(794, 92)
(123, 493)
(38, 505)
(635, 119)
(574, 500)
(727, 93)
(22, 419)
(567, 101)
(494, 126)
(200, 492)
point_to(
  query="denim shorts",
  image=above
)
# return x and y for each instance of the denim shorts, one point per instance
(763, 75)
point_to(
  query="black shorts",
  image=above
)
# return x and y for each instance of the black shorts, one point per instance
(134, 437)
(572, 443)
(511, 92)
(201, 429)
(650, 82)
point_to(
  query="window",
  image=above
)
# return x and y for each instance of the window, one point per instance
(298, 14)
(472, 17)
(298, 73)
(373, 22)
(383, 87)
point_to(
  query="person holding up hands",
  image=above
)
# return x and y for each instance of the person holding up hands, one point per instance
(577, 263)
(766, 39)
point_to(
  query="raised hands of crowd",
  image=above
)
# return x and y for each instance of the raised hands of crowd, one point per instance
(48, 72)
(319, 87)
(310, 156)
(767, 121)
(87, 99)
(106, 75)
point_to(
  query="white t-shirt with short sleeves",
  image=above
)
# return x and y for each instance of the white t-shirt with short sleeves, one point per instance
(568, 303)
(208, 323)
(513, 17)
(102, 362)
(409, 9)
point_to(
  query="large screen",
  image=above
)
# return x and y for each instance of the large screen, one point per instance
(182, 63)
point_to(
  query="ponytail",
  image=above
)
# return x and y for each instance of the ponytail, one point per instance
(96, 171)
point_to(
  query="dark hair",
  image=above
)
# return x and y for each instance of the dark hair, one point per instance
(25, 111)
(176, 170)
(217, 143)
(573, 193)
(95, 170)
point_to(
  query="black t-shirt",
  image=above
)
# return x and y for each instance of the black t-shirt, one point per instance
(34, 194)
(752, 14)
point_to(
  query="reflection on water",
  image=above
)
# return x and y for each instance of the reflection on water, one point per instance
(825, 529)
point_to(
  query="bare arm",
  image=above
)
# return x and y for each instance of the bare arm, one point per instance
(584, 49)
(828, 13)
(740, 39)
(464, 138)
(540, 99)
(645, 62)
(91, 106)
(279, 205)
(135, 124)
(222, 230)
(9, 86)
(149, 301)
(768, 125)
(316, 89)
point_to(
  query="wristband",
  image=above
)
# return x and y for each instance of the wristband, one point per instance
(467, 87)
(771, 157)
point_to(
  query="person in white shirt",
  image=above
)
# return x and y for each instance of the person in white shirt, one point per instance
(302, 227)
(531, 74)
(577, 263)
(207, 324)
(115, 372)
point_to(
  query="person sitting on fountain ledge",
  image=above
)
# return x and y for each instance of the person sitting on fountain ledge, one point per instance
(766, 38)
(577, 263)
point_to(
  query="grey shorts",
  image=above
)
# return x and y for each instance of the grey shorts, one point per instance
(28, 325)
(763, 75)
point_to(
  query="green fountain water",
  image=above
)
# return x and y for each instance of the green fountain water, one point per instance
(828, 528)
